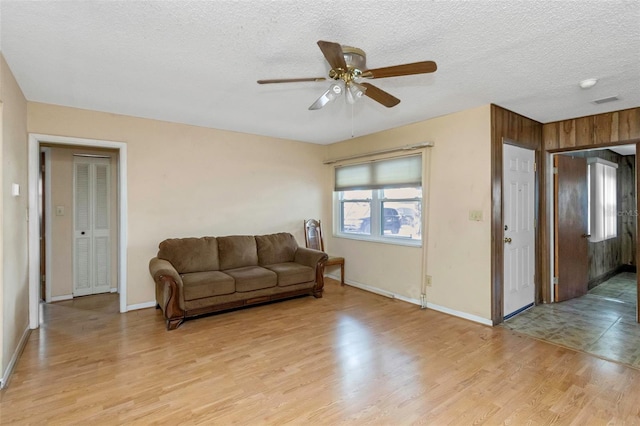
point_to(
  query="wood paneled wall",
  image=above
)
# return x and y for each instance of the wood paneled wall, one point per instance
(612, 128)
(608, 128)
(526, 133)
(579, 133)
(628, 216)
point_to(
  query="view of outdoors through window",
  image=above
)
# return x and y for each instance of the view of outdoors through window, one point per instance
(395, 212)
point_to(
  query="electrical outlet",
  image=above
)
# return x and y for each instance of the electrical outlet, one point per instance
(475, 215)
(427, 280)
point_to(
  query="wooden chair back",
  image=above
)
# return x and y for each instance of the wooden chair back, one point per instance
(313, 234)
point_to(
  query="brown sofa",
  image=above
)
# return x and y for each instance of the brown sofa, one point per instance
(196, 276)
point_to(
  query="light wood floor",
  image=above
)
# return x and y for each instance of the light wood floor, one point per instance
(351, 357)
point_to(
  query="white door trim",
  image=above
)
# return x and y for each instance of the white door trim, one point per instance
(48, 219)
(551, 208)
(34, 232)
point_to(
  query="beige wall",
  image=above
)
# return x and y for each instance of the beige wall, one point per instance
(61, 279)
(457, 250)
(14, 286)
(192, 181)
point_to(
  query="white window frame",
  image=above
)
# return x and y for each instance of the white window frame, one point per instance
(376, 205)
(603, 215)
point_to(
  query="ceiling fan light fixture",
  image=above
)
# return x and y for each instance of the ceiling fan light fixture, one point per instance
(330, 95)
(348, 66)
(335, 90)
(354, 92)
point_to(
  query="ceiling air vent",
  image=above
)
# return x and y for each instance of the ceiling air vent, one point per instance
(605, 100)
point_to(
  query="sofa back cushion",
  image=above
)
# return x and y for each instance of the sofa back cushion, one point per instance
(276, 248)
(191, 254)
(237, 251)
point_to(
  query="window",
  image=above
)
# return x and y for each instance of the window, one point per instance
(602, 199)
(380, 200)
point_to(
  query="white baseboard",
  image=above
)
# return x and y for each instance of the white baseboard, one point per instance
(61, 298)
(14, 359)
(430, 305)
(460, 314)
(114, 290)
(143, 305)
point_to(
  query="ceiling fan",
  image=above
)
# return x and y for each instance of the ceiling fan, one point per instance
(348, 68)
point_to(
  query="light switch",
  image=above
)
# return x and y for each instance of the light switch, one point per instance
(15, 189)
(59, 210)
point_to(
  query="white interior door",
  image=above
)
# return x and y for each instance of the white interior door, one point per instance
(92, 245)
(519, 229)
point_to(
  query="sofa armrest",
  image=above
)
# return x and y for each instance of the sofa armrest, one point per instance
(169, 291)
(314, 259)
(309, 257)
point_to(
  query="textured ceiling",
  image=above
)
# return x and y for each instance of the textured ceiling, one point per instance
(198, 62)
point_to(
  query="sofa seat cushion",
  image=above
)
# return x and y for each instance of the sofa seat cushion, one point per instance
(290, 273)
(198, 285)
(252, 278)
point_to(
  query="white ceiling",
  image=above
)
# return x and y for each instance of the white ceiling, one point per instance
(198, 62)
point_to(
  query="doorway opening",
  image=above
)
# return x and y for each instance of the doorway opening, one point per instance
(36, 142)
(78, 221)
(592, 203)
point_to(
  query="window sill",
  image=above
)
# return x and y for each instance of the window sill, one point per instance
(397, 241)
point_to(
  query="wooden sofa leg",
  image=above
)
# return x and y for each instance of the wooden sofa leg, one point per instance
(174, 323)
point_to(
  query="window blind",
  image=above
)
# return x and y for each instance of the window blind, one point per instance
(393, 173)
(602, 200)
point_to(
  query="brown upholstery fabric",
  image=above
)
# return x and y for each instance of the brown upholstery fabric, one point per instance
(191, 305)
(309, 257)
(191, 254)
(253, 278)
(290, 273)
(206, 284)
(276, 248)
(237, 251)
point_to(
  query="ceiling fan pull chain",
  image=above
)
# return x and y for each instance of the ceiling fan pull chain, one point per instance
(352, 121)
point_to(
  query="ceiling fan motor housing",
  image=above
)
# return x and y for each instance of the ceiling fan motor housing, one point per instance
(354, 57)
(356, 61)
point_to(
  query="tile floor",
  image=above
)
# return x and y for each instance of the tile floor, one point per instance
(602, 323)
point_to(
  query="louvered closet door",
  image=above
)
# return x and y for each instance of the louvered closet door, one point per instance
(92, 246)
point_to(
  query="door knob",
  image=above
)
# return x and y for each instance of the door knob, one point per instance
(507, 240)
(586, 235)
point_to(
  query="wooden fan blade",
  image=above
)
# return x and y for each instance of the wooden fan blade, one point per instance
(333, 54)
(290, 80)
(400, 70)
(380, 95)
